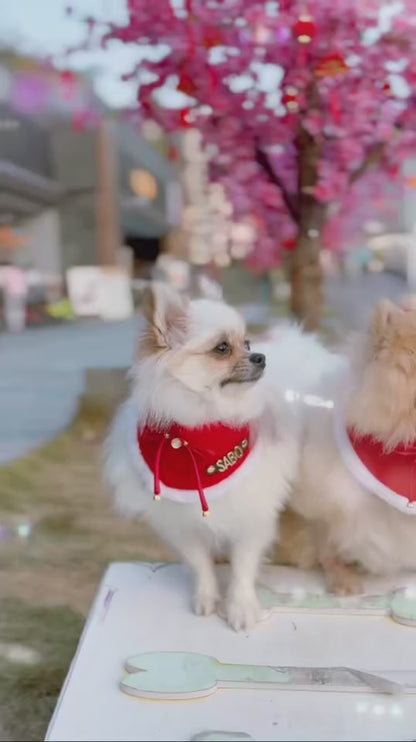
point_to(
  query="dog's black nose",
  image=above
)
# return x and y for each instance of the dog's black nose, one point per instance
(259, 359)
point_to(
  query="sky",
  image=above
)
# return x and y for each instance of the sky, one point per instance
(41, 27)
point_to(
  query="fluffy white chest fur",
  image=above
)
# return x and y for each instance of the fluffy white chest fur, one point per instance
(196, 368)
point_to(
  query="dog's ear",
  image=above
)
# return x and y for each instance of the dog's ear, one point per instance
(165, 311)
(383, 316)
(210, 289)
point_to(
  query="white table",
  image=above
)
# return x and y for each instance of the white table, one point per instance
(145, 607)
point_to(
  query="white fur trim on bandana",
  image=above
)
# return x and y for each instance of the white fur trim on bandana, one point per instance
(360, 472)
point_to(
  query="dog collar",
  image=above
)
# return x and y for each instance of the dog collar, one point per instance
(389, 475)
(193, 459)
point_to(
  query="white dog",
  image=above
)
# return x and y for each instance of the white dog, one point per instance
(206, 430)
(357, 484)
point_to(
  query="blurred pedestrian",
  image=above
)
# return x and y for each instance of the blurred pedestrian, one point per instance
(14, 285)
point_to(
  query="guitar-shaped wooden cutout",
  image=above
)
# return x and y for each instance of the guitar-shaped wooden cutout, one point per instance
(400, 605)
(185, 675)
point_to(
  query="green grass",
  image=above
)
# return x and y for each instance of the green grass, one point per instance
(47, 582)
(28, 692)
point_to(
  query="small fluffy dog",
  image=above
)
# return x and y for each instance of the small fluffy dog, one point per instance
(208, 429)
(356, 491)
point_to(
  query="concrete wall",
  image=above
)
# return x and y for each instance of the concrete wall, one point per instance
(43, 249)
(75, 167)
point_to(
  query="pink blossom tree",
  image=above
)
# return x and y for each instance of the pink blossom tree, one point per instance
(307, 111)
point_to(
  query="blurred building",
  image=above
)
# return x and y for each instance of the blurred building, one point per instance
(52, 165)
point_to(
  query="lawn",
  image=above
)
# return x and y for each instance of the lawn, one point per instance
(48, 580)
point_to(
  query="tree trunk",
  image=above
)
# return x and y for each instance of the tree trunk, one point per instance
(305, 270)
(306, 280)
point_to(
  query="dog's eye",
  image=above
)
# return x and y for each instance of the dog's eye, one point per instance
(223, 349)
(247, 344)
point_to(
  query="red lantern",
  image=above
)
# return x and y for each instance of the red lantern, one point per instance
(185, 118)
(331, 66)
(304, 29)
(289, 244)
(290, 99)
(186, 84)
(387, 88)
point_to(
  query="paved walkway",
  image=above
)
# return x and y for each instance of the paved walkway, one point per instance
(42, 374)
(42, 371)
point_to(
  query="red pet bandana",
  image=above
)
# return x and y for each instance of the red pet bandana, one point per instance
(395, 469)
(193, 458)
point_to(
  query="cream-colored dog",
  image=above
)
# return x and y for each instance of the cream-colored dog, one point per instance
(208, 427)
(356, 492)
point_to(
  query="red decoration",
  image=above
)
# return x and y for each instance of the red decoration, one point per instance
(394, 470)
(289, 244)
(387, 88)
(290, 99)
(193, 459)
(305, 29)
(331, 66)
(185, 117)
(69, 84)
(186, 84)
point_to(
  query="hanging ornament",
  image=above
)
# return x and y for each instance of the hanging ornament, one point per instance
(304, 29)
(289, 244)
(186, 118)
(290, 99)
(387, 89)
(186, 84)
(69, 84)
(331, 66)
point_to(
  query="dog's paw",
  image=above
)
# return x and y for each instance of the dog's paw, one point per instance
(345, 582)
(242, 613)
(205, 603)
